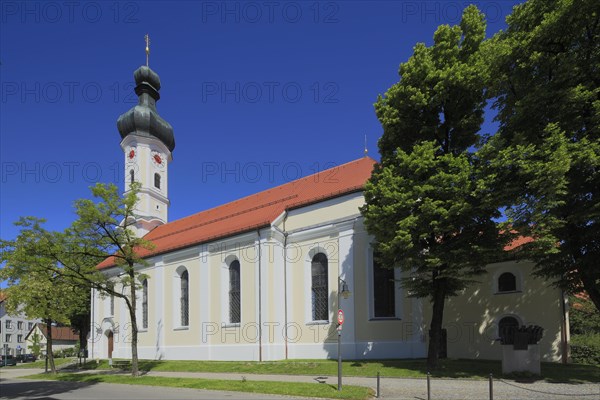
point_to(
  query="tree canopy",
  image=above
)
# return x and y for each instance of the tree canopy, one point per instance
(428, 205)
(546, 154)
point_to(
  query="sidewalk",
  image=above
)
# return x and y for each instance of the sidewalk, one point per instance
(403, 388)
(408, 388)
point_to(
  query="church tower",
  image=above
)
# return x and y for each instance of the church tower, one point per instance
(147, 143)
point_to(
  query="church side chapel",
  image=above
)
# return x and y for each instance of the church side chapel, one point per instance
(261, 278)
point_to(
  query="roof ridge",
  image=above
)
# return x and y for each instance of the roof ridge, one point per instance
(295, 181)
(244, 211)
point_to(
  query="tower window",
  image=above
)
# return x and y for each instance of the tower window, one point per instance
(131, 176)
(157, 181)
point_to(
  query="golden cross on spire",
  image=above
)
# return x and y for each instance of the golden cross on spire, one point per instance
(147, 48)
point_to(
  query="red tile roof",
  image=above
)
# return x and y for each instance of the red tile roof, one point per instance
(257, 210)
(518, 242)
(58, 332)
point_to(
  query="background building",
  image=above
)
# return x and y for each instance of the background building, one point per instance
(13, 330)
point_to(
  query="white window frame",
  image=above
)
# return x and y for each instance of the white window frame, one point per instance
(177, 298)
(308, 315)
(225, 317)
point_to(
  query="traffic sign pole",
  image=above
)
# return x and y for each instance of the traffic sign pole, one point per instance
(340, 318)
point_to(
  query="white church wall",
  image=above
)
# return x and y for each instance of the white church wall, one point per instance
(471, 319)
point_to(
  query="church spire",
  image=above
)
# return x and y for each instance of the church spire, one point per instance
(147, 49)
(147, 143)
(143, 119)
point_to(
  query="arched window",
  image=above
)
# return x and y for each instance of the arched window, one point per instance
(131, 176)
(145, 304)
(319, 289)
(506, 327)
(507, 282)
(185, 299)
(111, 286)
(235, 312)
(157, 180)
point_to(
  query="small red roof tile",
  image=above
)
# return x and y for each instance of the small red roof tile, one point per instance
(257, 210)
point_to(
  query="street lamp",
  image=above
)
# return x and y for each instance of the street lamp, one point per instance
(343, 291)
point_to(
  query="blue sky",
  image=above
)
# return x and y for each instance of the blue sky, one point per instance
(258, 93)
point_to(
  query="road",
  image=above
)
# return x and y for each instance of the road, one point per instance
(17, 389)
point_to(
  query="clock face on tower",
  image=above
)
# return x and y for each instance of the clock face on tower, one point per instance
(131, 153)
(157, 159)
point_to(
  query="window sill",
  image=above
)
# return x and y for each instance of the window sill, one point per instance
(226, 325)
(142, 330)
(509, 292)
(181, 328)
(322, 322)
(377, 319)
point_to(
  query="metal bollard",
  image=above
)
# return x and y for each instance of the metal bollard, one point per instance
(491, 387)
(378, 386)
(428, 386)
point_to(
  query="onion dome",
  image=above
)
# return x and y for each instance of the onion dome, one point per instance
(143, 119)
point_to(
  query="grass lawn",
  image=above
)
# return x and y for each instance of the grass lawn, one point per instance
(553, 372)
(279, 388)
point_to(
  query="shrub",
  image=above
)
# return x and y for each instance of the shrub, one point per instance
(584, 318)
(585, 349)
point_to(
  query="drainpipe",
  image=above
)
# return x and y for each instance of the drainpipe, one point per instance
(259, 300)
(285, 301)
(564, 329)
(93, 328)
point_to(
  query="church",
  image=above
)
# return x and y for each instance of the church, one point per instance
(265, 277)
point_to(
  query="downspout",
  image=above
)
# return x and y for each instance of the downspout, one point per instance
(92, 327)
(285, 301)
(259, 301)
(564, 336)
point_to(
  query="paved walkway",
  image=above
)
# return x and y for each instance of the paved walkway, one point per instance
(405, 388)
(415, 389)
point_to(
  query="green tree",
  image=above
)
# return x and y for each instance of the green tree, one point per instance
(105, 228)
(35, 347)
(37, 287)
(427, 204)
(546, 155)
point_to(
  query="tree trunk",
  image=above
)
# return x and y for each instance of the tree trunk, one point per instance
(435, 329)
(134, 329)
(49, 355)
